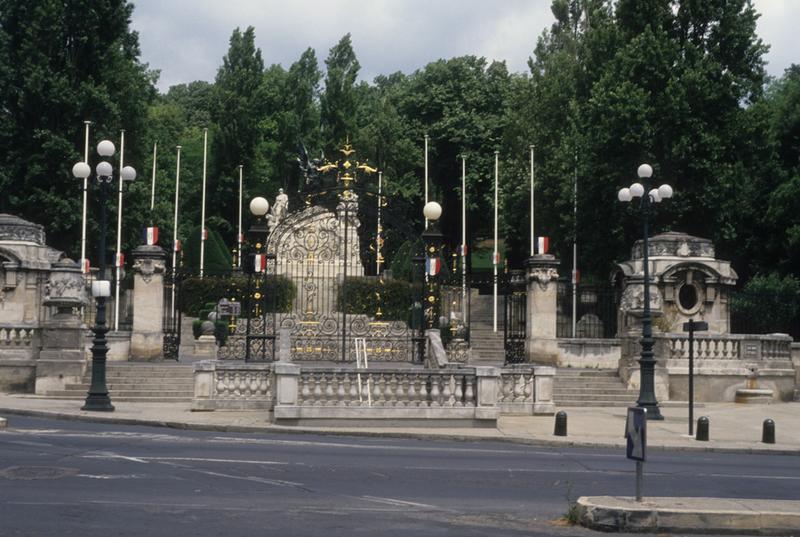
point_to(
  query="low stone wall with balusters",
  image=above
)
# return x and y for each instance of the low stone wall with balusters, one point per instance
(19, 349)
(300, 394)
(225, 386)
(722, 363)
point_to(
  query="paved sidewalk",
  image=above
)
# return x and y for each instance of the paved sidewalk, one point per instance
(733, 427)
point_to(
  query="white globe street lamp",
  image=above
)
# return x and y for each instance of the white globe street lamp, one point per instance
(647, 396)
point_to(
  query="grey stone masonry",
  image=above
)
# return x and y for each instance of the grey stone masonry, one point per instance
(147, 337)
(540, 337)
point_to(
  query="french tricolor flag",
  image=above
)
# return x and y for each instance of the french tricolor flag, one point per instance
(432, 266)
(151, 236)
(177, 245)
(542, 245)
(85, 265)
(119, 260)
(205, 234)
(462, 250)
(496, 258)
(259, 263)
(576, 276)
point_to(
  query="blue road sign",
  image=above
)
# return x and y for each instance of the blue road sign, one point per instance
(636, 433)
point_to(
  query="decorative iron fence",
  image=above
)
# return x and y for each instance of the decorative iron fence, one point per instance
(596, 310)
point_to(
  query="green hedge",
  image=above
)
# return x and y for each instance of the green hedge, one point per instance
(195, 292)
(362, 297)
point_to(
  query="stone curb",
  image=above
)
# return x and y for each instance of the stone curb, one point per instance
(366, 433)
(3, 423)
(689, 515)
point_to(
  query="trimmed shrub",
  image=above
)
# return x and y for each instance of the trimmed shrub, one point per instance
(196, 293)
(362, 297)
(216, 257)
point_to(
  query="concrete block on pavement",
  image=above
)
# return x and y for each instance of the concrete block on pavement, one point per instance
(3, 423)
(690, 515)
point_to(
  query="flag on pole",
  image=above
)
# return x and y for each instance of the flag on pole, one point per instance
(463, 249)
(119, 260)
(205, 234)
(496, 258)
(177, 245)
(241, 237)
(542, 245)
(432, 266)
(576, 276)
(259, 263)
(151, 236)
(85, 265)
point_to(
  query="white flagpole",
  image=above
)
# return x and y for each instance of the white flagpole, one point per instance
(203, 209)
(153, 182)
(463, 238)
(84, 269)
(426, 177)
(379, 229)
(575, 248)
(533, 237)
(494, 256)
(239, 235)
(175, 227)
(119, 229)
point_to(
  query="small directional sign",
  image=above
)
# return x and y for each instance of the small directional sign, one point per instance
(227, 308)
(695, 326)
(636, 433)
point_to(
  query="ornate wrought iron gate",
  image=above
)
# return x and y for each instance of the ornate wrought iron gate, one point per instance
(516, 317)
(171, 324)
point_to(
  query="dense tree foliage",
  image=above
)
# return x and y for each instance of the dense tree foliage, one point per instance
(679, 84)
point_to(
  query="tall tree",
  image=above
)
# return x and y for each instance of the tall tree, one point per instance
(62, 63)
(339, 102)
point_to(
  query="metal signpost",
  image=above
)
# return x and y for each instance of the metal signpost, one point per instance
(636, 435)
(691, 327)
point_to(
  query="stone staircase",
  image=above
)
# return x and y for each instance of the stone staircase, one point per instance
(591, 387)
(139, 382)
(487, 346)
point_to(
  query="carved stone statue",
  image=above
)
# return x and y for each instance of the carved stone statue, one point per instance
(279, 210)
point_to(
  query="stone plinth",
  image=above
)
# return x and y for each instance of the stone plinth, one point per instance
(147, 337)
(540, 330)
(206, 347)
(62, 358)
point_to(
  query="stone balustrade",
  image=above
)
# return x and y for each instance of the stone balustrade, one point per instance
(387, 388)
(729, 346)
(225, 386)
(16, 337)
(299, 394)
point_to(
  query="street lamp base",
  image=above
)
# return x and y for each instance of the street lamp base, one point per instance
(653, 411)
(98, 402)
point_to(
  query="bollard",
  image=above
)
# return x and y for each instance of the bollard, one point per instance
(768, 432)
(702, 429)
(561, 424)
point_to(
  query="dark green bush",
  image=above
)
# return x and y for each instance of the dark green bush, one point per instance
(195, 292)
(362, 297)
(767, 304)
(216, 256)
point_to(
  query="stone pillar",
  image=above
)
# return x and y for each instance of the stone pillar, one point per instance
(204, 385)
(543, 390)
(541, 344)
(147, 336)
(62, 358)
(488, 386)
(287, 377)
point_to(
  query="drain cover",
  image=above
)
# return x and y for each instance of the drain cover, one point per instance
(37, 472)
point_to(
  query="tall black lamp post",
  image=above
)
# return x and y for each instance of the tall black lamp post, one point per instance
(647, 364)
(259, 207)
(97, 398)
(432, 238)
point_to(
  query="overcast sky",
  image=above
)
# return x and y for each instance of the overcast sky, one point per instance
(186, 39)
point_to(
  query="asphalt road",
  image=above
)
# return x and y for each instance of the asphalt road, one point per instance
(75, 478)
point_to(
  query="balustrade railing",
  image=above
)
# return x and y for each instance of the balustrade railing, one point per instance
(14, 337)
(729, 346)
(243, 384)
(516, 387)
(387, 388)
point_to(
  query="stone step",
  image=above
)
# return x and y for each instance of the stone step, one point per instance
(569, 403)
(598, 398)
(561, 373)
(138, 385)
(574, 394)
(120, 399)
